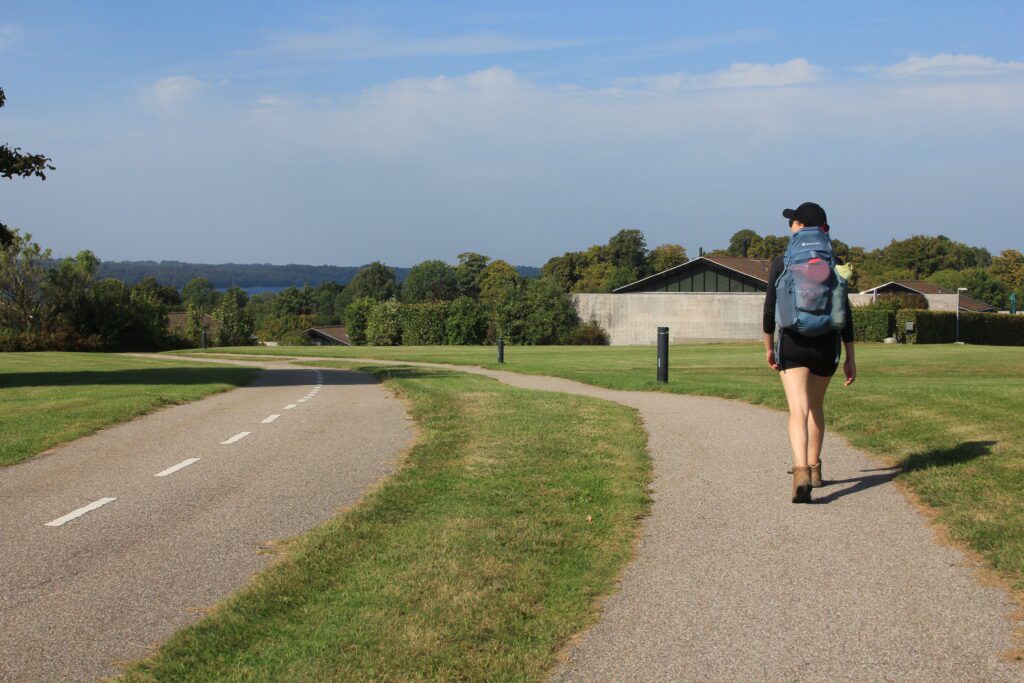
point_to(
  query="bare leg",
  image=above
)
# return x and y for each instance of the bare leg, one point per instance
(816, 387)
(795, 382)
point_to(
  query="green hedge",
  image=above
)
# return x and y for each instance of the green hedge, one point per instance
(873, 324)
(425, 324)
(939, 327)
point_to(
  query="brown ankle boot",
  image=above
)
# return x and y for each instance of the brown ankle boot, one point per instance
(801, 484)
(816, 475)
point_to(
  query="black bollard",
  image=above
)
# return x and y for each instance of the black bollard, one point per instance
(663, 355)
(203, 335)
(501, 350)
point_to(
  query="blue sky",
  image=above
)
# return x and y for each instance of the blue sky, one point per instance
(341, 133)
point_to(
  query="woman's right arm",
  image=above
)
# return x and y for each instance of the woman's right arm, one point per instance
(768, 315)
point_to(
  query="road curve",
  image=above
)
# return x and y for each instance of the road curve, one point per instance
(732, 582)
(111, 543)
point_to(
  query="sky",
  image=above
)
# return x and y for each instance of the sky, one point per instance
(345, 132)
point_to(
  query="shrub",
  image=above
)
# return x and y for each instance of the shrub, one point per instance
(356, 316)
(424, 324)
(873, 324)
(384, 324)
(939, 327)
(63, 339)
(589, 333)
(466, 323)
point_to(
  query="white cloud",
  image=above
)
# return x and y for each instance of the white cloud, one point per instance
(370, 44)
(174, 91)
(950, 66)
(741, 75)
(9, 35)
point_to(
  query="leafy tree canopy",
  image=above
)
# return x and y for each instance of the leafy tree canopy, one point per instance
(666, 256)
(430, 281)
(15, 163)
(376, 281)
(980, 284)
(467, 273)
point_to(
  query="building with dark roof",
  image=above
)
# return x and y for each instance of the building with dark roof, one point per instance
(931, 292)
(720, 274)
(332, 335)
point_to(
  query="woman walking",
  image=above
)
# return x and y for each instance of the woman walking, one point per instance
(806, 363)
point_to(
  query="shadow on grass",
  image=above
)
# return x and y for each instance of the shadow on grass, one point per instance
(961, 453)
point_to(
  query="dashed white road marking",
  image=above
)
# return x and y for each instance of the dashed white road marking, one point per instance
(302, 400)
(237, 437)
(61, 521)
(270, 419)
(289, 406)
(175, 468)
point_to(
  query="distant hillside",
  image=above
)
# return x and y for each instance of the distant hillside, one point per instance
(244, 274)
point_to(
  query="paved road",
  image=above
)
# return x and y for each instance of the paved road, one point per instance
(79, 596)
(732, 582)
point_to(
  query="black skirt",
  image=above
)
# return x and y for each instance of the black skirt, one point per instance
(820, 354)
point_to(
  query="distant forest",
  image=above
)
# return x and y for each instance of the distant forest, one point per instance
(245, 275)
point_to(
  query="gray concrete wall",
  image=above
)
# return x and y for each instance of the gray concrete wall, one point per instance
(936, 302)
(634, 318)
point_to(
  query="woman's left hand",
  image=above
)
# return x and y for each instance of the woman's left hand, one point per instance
(850, 370)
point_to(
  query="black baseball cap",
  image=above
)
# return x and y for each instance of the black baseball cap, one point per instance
(808, 213)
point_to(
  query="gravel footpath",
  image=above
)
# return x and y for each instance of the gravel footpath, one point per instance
(732, 582)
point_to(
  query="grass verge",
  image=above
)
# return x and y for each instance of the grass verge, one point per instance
(47, 399)
(476, 561)
(949, 415)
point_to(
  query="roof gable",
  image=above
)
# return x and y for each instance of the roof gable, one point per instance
(755, 269)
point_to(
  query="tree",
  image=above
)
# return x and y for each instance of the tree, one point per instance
(980, 284)
(1009, 267)
(356, 316)
(565, 269)
(68, 290)
(498, 278)
(551, 316)
(236, 326)
(597, 277)
(376, 281)
(432, 280)
(23, 281)
(629, 248)
(13, 162)
(193, 327)
(666, 256)
(467, 273)
(200, 292)
(924, 255)
(167, 294)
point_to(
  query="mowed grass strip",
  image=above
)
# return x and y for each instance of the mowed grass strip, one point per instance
(47, 399)
(476, 561)
(951, 416)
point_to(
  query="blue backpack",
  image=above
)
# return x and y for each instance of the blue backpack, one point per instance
(810, 295)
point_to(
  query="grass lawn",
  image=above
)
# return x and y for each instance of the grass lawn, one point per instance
(952, 416)
(49, 398)
(476, 561)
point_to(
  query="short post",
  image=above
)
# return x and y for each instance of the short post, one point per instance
(202, 337)
(663, 355)
(501, 350)
(1013, 304)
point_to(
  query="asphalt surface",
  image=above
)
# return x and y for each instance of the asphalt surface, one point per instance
(733, 582)
(79, 597)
